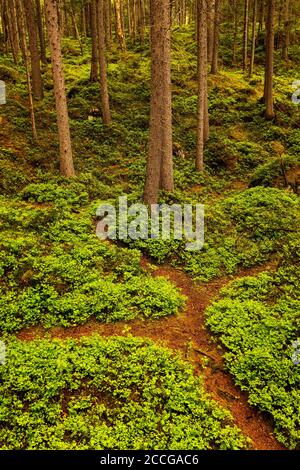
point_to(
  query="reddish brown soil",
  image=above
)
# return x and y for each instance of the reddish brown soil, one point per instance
(187, 335)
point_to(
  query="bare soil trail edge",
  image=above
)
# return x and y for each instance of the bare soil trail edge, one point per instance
(187, 335)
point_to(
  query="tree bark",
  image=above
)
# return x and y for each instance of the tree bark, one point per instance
(246, 32)
(37, 84)
(94, 32)
(23, 43)
(253, 45)
(119, 25)
(159, 173)
(106, 115)
(40, 25)
(286, 40)
(202, 82)
(235, 33)
(14, 30)
(215, 53)
(269, 66)
(66, 156)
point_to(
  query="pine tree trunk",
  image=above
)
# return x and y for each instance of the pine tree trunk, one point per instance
(269, 67)
(261, 15)
(245, 38)
(108, 23)
(102, 64)
(202, 82)
(286, 41)
(37, 84)
(41, 30)
(22, 35)
(160, 163)
(119, 25)
(215, 54)
(14, 30)
(66, 157)
(210, 29)
(235, 33)
(253, 45)
(94, 32)
(75, 27)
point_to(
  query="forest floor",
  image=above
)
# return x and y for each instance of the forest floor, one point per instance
(245, 196)
(187, 335)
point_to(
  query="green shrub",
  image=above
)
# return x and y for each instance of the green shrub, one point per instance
(258, 320)
(74, 195)
(106, 394)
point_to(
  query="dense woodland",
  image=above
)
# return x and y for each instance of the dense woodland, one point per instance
(143, 344)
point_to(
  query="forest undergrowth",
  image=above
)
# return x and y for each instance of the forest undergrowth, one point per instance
(60, 284)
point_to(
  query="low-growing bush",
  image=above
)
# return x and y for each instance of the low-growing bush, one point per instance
(258, 322)
(99, 394)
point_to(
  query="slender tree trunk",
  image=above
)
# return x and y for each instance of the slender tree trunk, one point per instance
(253, 45)
(215, 55)
(261, 15)
(119, 25)
(37, 84)
(83, 22)
(14, 30)
(286, 41)
(40, 25)
(95, 56)
(269, 67)
(75, 27)
(5, 26)
(235, 33)
(106, 115)
(108, 23)
(160, 163)
(245, 39)
(142, 21)
(202, 82)
(66, 156)
(22, 35)
(210, 29)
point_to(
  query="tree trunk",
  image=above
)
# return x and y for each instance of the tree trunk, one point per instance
(23, 43)
(202, 82)
(261, 15)
(95, 56)
(245, 38)
(269, 67)
(215, 54)
(41, 30)
(66, 157)
(210, 29)
(14, 30)
(75, 27)
(37, 84)
(235, 33)
(253, 45)
(119, 25)
(160, 162)
(102, 64)
(286, 40)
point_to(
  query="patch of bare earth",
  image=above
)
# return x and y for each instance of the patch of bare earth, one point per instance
(187, 335)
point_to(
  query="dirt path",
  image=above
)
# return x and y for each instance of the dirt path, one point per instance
(187, 335)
